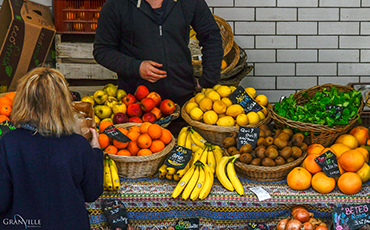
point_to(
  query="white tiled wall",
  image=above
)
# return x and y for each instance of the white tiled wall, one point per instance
(296, 44)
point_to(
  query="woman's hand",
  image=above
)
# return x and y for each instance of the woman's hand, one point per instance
(150, 72)
(95, 138)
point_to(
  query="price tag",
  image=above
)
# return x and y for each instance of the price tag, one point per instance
(241, 97)
(187, 224)
(248, 135)
(257, 226)
(114, 133)
(351, 216)
(115, 213)
(328, 163)
(178, 157)
(261, 193)
(338, 110)
(5, 127)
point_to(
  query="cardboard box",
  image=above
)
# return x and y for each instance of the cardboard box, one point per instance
(26, 34)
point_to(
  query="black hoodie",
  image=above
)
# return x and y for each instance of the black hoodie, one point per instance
(128, 34)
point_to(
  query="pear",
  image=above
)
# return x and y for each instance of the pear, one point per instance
(364, 173)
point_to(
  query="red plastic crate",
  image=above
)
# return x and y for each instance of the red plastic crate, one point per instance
(77, 16)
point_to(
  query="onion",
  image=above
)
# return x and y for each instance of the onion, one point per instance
(296, 208)
(314, 222)
(282, 223)
(323, 224)
(321, 228)
(293, 225)
(307, 226)
(302, 215)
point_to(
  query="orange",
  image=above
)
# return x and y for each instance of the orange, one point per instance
(361, 133)
(155, 131)
(103, 125)
(5, 101)
(144, 141)
(133, 135)
(310, 164)
(133, 148)
(5, 110)
(103, 140)
(144, 127)
(364, 152)
(157, 145)
(349, 183)
(299, 179)
(144, 152)
(10, 96)
(134, 129)
(348, 139)
(124, 152)
(111, 149)
(123, 130)
(315, 149)
(339, 149)
(322, 183)
(119, 144)
(166, 136)
(4, 118)
(327, 149)
(351, 160)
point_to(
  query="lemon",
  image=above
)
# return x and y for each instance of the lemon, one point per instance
(224, 91)
(199, 96)
(226, 121)
(232, 88)
(207, 90)
(192, 99)
(242, 119)
(251, 91)
(221, 115)
(196, 114)
(227, 101)
(210, 117)
(219, 107)
(189, 106)
(216, 86)
(264, 110)
(234, 110)
(223, 64)
(261, 115)
(253, 117)
(262, 100)
(213, 95)
(205, 104)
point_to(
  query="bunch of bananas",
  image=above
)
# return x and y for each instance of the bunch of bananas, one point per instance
(226, 174)
(111, 178)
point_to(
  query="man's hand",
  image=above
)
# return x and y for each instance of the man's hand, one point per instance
(198, 88)
(150, 72)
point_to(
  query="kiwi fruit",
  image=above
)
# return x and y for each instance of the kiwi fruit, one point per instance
(264, 128)
(289, 132)
(268, 162)
(297, 139)
(277, 132)
(231, 149)
(260, 141)
(258, 147)
(268, 141)
(286, 152)
(256, 161)
(271, 146)
(229, 142)
(247, 148)
(284, 136)
(290, 159)
(280, 143)
(268, 133)
(246, 158)
(272, 153)
(304, 147)
(262, 133)
(261, 153)
(235, 152)
(296, 152)
(279, 160)
(253, 154)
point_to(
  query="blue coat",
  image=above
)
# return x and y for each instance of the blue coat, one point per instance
(45, 181)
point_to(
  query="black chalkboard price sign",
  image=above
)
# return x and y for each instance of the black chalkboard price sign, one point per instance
(351, 217)
(116, 214)
(114, 133)
(241, 97)
(178, 157)
(328, 163)
(248, 135)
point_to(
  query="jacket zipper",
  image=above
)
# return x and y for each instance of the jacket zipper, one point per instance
(160, 31)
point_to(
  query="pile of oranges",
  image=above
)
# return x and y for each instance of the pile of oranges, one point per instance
(146, 139)
(6, 103)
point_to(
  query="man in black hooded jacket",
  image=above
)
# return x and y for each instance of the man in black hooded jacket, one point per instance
(146, 43)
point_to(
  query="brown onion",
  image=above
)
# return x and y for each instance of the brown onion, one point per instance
(323, 224)
(302, 215)
(282, 223)
(293, 225)
(307, 226)
(296, 208)
(321, 228)
(314, 222)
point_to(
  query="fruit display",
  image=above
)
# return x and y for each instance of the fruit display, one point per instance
(119, 107)
(6, 103)
(301, 219)
(111, 179)
(213, 106)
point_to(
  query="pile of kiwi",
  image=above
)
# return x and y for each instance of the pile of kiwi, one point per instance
(273, 148)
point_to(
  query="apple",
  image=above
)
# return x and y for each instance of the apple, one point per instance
(100, 97)
(97, 120)
(157, 113)
(147, 104)
(102, 111)
(111, 101)
(110, 89)
(134, 110)
(120, 94)
(88, 99)
(141, 92)
(148, 116)
(167, 107)
(119, 107)
(129, 99)
(135, 119)
(156, 97)
(120, 118)
(107, 119)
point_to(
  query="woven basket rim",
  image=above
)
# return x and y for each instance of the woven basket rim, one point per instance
(367, 98)
(225, 27)
(154, 156)
(235, 59)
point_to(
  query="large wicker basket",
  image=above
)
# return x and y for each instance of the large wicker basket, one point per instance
(140, 166)
(213, 133)
(318, 134)
(263, 173)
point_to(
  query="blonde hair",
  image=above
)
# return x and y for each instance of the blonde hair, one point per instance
(43, 100)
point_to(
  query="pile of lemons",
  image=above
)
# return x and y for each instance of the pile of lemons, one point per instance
(213, 106)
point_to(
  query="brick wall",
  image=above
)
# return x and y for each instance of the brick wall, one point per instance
(296, 44)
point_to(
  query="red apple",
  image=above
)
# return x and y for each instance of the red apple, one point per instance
(120, 118)
(167, 107)
(157, 113)
(156, 97)
(148, 116)
(129, 99)
(134, 110)
(135, 119)
(141, 92)
(147, 104)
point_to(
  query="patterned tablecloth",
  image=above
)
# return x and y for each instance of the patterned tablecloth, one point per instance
(150, 206)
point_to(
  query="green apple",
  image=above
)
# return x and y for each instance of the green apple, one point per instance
(107, 119)
(97, 120)
(111, 101)
(88, 99)
(119, 108)
(102, 111)
(100, 97)
(120, 94)
(110, 89)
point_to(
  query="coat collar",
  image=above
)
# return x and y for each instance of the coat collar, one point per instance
(146, 9)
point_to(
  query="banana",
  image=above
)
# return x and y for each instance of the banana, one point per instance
(163, 169)
(176, 177)
(171, 170)
(199, 185)
(197, 155)
(108, 184)
(182, 136)
(183, 182)
(197, 138)
(211, 161)
(230, 169)
(114, 172)
(221, 173)
(208, 183)
(194, 147)
(204, 155)
(217, 151)
(180, 173)
(188, 141)
(169, 176)
(190, 186)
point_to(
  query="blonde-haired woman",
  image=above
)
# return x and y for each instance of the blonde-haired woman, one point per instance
(47, 171)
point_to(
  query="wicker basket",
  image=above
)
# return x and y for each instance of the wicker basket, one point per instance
(213, 133)
(263, 173)
(173, 116)
(140, 166)
(226, 34)
(319, 134)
